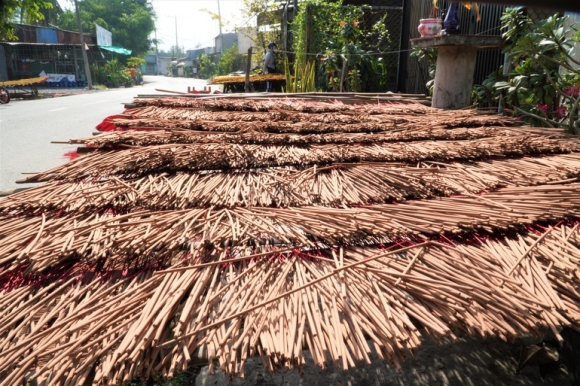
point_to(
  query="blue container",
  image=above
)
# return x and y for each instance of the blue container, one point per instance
(451, 22)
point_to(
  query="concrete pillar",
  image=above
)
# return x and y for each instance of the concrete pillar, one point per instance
(573, 20)
(454, 77)
(456, 56)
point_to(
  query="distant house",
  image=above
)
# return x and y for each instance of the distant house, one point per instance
(164, 64)
(243, 38)
(246, 38)
(51, 50)
(151, 66)
(194, 54)
(224, 42)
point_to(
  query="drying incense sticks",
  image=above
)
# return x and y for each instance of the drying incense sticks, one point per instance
(166, 234)
(239, 241)
(285, 295)
(344, 184)
(155, 132)
(175, 158)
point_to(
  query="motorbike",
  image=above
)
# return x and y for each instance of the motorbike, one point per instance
(4, 96)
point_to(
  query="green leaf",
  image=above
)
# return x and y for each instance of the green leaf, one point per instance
(501, 85)
(518, 80)
(545, 42)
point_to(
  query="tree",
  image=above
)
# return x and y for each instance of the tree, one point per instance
(206, 67)
(174, 52)
(131, 22)
(30, 9)
(268, 15)
(230, 61)
(135, 62)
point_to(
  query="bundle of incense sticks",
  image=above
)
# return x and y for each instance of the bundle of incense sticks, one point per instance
(238, 228)
(172, 158)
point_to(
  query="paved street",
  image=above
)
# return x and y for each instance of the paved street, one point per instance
(27, 127)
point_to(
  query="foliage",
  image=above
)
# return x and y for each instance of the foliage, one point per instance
(206, 67)
(174, 52)
(345, 43)
(429, 55)
(112, 74)
(98, 74)
(135, 62)
(268, 17)
(31, 9)
(130, 22)
(50, 14)
(302, 80)
(542, 84)
(230, 61)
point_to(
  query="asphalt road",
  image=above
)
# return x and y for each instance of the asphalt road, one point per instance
(27, 127)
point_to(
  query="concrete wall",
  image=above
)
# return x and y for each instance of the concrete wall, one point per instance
(163, 65)
(227, 40)
(574, 19)
(246, 39)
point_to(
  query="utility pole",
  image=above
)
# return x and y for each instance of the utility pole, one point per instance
(248, 85)
(156, 54)
(176, 43)
(85, 58)
(220, 25)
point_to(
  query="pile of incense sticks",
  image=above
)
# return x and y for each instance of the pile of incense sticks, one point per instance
(172, 158)
(227, 228)
(242, 78)
(352, 184)
(147, 136)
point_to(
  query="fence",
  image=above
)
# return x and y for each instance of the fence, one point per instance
(390, 53)
(415, 74)
(394, 20)
(406, 73)
(488, 60)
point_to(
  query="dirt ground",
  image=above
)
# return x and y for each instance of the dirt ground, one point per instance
(467, 361)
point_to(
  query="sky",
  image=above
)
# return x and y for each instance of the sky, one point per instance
(194, 26)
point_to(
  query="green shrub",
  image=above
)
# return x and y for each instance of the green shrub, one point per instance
(542, 83)
(230, 61)
(343, 43)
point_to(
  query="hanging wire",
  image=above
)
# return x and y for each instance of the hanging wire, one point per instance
(376, 53)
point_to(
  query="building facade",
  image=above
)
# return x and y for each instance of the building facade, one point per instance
(48, 50)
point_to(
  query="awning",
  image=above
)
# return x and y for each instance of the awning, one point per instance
(116, 49)
(63, 45)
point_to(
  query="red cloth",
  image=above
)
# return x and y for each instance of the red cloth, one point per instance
(106, 124)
